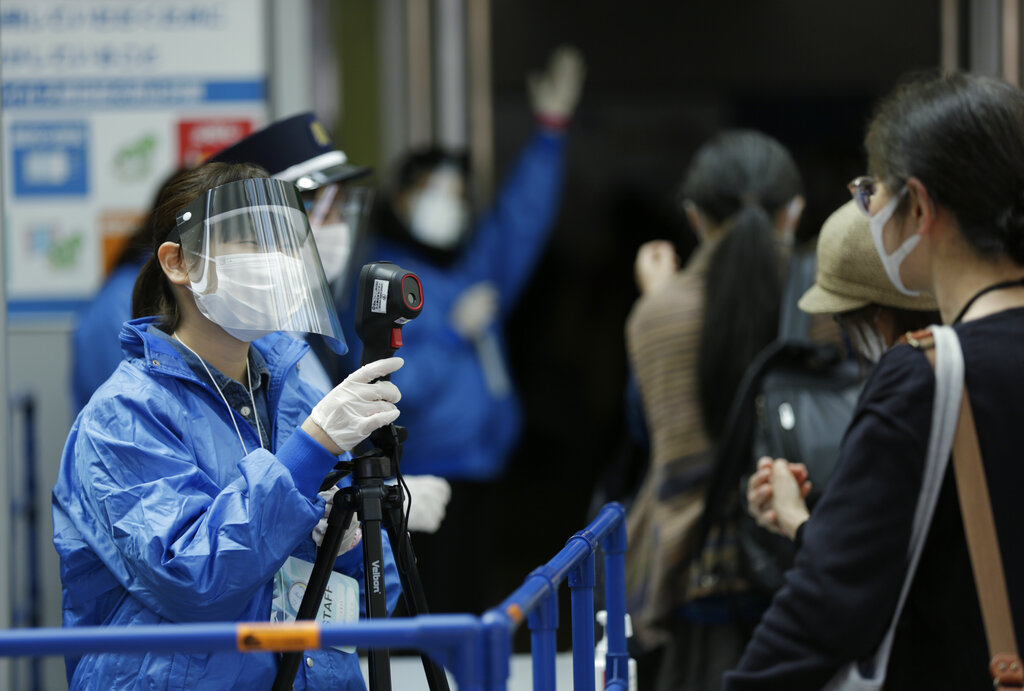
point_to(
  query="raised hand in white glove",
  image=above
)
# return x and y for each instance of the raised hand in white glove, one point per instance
(555, 92)
(353, 532)
(355, 407)
(475, 309)
(430, 495)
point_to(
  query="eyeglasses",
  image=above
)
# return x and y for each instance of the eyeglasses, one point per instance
(862, 189)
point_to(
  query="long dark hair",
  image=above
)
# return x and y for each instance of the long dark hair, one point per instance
(962, 136)
(739, 180)
(152, 295)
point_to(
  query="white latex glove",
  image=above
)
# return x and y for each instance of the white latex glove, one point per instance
(430, 495)
(353, 532)
(475, 309)
(555, 92)
(355, 407)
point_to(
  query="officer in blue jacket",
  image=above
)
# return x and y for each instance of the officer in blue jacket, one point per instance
(188, 488)
(459, 402)
(460, 406)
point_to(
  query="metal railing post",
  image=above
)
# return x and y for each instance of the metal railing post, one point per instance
(498, 629)
(617, 667)
(581, 584)
(543, 624)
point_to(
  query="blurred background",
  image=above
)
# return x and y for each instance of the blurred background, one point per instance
(103, 98)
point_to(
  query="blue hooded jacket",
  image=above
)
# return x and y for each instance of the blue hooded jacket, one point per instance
(159, 518)
(457, 428)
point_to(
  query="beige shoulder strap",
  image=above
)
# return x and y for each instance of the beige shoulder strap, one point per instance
(983, 546)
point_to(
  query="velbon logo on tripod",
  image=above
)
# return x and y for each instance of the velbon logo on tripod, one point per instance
(376, 576)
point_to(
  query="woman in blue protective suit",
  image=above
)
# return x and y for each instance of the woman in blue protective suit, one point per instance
(188, 488)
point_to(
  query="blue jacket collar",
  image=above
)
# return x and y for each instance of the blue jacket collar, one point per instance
(280, 351)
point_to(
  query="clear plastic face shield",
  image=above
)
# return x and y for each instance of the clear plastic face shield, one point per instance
(252, 264)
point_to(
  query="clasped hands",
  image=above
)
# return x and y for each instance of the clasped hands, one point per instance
(775, 495)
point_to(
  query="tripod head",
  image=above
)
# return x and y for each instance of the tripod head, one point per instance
(380, 458)
(387, 298)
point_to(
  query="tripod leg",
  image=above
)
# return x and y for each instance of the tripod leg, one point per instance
(412, 586)
(321, 574)
(373, 576)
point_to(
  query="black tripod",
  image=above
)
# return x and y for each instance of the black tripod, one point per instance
(375, 502)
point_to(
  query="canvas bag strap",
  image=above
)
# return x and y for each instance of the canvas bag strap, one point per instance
(983, 546)
(949, 378)
(945, 409)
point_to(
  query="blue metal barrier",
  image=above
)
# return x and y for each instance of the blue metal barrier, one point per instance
(477, 650)
(537, 597)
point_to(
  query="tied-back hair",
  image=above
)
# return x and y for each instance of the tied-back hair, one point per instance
(962, 136)
(152, 295)
(739, 180)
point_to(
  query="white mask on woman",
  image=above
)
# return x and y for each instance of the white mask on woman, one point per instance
(892, 262)
(246, 286)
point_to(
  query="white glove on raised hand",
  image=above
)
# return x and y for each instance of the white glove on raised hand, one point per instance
(355, 407)
(555, 92)
(353, 532)
(430, 495)
(475, 309)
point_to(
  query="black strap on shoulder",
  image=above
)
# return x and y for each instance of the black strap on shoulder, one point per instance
(794, 323)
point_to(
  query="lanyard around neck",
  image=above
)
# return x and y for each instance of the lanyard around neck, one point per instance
(231, 412)
(995, 286)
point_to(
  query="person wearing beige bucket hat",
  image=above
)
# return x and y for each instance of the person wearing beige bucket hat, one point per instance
(884, 591)
(851, 285)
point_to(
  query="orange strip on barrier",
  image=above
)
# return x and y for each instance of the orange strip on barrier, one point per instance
(303, 635)
(515, 612)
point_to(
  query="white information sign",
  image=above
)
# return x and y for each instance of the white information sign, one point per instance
(102, 100)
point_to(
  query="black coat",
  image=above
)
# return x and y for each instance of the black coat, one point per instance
(840, 595)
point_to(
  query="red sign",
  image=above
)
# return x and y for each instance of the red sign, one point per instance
(200, 139)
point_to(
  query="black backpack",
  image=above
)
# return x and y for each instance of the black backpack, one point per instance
(795, 401)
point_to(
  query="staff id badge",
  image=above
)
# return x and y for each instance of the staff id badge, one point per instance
(340, 604)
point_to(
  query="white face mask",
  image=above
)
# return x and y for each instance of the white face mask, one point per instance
(892, 262)
(867, 342)
(334, 243)
(438, 217)
(245, 294)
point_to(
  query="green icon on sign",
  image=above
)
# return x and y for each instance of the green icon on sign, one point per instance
(134, 160)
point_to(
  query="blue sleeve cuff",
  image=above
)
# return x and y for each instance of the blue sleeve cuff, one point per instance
(306, 460)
